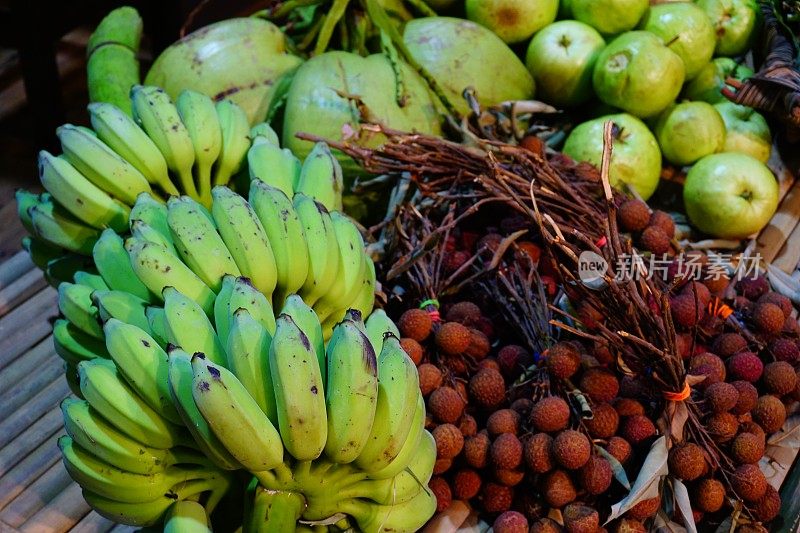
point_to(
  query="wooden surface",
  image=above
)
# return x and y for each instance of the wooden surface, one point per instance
(36, 493)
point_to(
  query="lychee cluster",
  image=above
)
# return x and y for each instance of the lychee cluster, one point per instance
(653, 230)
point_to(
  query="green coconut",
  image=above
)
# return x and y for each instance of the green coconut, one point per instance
(317, 103)
(241, 59)
(459, 54)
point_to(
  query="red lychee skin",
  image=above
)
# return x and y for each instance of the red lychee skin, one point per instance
(779, 378)
(479, 346)
(506, 452)
(465, 313)
(600, 385)
(415, 324)
(662, 220)
(497, 498)
(745, 366)
(503, 421)
(695, 289)
(446, 405)
(655, 240)
(510, 522)
(539, 454)
(686, 311)
(571, 449)
(752, 288)
(634, 215)
(784, 350)
(778, 299)
(748, 396)
(559, 489)
(453, 338)
(430, 378)
(413, 349)
(727, 344)
(604, 422)
(549, 414)
(563, 360)
(596, 475)
(476, 450)
(449, 441)
(487, 387)
(466, 484)
(619, 448)
(768, 318)
(637, 429)
(512, 360)
(468, 425)
(441, 489)
(645, 508)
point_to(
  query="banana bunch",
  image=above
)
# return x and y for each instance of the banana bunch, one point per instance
(126, 443)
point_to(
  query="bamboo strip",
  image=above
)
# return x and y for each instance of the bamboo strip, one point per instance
(60, 514)
(29, 386)
(93, 523)
(28, 440)
(14, 268)
(40, 404)
(28, 470)
(31, 362)
(23, 288)
(49, 485)
(26, 325)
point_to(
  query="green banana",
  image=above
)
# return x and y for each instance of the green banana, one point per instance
(114, 266)
(143, 364)
(121, 133)
(248, 359)
(273, 511)
(398, 389)
(198, 242)
(321, 178)
(25, 200)
(157, 268)
(235, 130)
(410, 448)
(189, 327)
(144, 231)
(74, 345)
(123, 306)
(323, 250)
(379, 325)
(351, 392)
(180, 387)
(41, 252)
(222, 317)
(299, 392)
(101, 165)
(199, 115)
(72, 379)
(308, 322)
(157, 319)
(75, 303)
(56, 226)
(94, 281)
(246, 296)
(243, 235)
(286, 237)
(186, 517)
(214, 486)
(154, 213)
(235, 417)
(65, 267)
(408, 516)
(83, 199)
(351, 267)
(89, 431)
(109, 395)
(264, 130)
(365, 299)
(154, 110)
(274, 166)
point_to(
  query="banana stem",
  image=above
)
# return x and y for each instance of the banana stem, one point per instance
(187, 182)
(181, 455)
(331, 20)
(204, 184)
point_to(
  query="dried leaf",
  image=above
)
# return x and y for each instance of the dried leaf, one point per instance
(683, 504)
(781, 452)
(449, 520)
(662, 524)
(648, 480)
(619, 471)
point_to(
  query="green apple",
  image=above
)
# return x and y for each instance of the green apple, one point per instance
(735, 22)
(459, 53)
(688, 131)
(686, 30)
(512, 20)
(747, 131)
(730, 195)
(635, 158)
(609, 17)
(708, 83)
(638, 74)
(561, 58)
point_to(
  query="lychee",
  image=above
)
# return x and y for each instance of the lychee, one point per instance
(559, 489)
(512, 360)
(413, 349)
(722, 426)
(695, 289)
(634, 215)
(522, 406)
(449, 441)
(545, 525)
(619, 449)
(779, 378)
(604, 422)
(768, 318)
(768, 507)
(579, 518)
(538, 453)
(441, 490)
(721, 397)
(476, 450)
(600, 385)
(446, 405)
(662, 220)
(453, 338)
(468, 425)
(509, 478)
(637, 429)
(727, 344)
(487, 387)
(709, 495)
(630, 525)
(503, 421)
(465, 313)
(415, 324)
(430, 378)
(479, 345)
(596, 475)
(747, 398)
(506, 451)
(563, 360)
(497, 498)
(628, 407)
(655, 240)
(686, 311)
(745, 366)
(466, 484)
(645, 508)
(749, 482)
(752, 288)
(686, 461)
(549, 414)
(571, 449)
(784, 350)
(747, 448)
(510, 522)
(769, 413)
(441, 466)
(778, 299)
